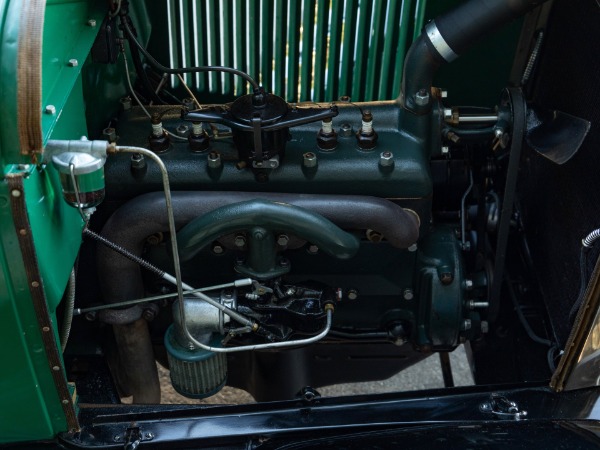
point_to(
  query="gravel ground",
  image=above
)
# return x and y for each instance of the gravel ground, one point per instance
(424, 375)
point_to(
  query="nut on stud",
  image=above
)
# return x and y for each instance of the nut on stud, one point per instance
(346, 130)
(386, 159)
(214, 160)
(309, 160)
(422, 97)
(240, 240)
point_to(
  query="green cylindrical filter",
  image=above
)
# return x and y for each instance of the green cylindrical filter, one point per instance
(88, 172)
(195, 373)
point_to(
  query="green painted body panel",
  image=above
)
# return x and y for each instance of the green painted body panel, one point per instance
(56, 231)
(27, 409)
(29, 404)
(67, 36)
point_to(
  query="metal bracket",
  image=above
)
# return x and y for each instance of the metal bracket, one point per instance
(271, 163)
(133, 437)
(502, 408)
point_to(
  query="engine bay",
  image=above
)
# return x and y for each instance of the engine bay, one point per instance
(278, 246)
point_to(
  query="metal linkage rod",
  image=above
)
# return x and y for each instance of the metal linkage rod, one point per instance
(237, 283)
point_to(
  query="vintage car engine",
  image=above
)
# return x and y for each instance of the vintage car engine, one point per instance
(273, 246)
(331, 209)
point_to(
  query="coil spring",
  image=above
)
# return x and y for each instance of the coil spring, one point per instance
(589, 240)
(126, 253)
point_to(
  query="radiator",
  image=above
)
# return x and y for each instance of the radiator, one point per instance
(303, 50)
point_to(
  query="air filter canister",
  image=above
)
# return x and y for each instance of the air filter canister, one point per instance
(195, 373)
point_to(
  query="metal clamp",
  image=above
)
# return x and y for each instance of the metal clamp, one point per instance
(133, 437)
(502, 408)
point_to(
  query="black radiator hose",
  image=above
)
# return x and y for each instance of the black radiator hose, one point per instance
(447, 37)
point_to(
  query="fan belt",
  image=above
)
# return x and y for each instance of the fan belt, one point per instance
(517, 101)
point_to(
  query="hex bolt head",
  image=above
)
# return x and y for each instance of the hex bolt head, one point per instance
(468, 285)
(445, 150)
(352, 294)
(126, 103)
(91, 23)
(313, 249)
(346, 130)
(309, 160)
(240, 240)
(386, 159)
(446, 277)
(182, 129)
(73, 62)
(466, 325)
(110, 134)
(217, 249)
(282, 240)
(408, 294)
(50, 109)
(413, 248)
(422, 97)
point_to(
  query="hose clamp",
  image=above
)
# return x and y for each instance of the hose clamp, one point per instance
(439, 43)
